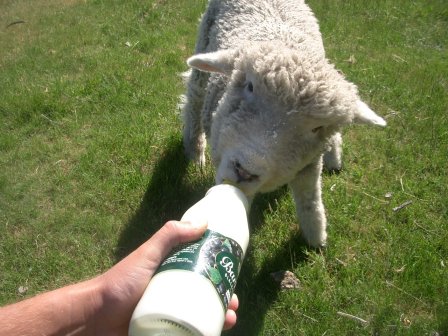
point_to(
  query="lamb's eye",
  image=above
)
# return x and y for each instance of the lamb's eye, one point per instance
(250, 87)
(315, 130)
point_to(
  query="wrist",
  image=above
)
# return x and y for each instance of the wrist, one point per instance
(85, 299)
(99, 297)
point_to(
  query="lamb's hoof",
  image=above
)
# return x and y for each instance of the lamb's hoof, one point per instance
(332, 163)
(333, 170)
(317, 243)
(200, 161)
(319, 246)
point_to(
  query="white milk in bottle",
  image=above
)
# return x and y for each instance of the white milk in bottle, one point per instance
(190, 292)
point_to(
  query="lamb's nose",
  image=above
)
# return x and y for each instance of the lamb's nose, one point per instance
(242, 174)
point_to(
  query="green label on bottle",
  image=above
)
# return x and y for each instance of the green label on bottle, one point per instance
(214, 256)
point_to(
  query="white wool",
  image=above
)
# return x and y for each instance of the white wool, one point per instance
(269, 102)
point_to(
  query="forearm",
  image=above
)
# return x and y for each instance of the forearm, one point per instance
(65, 311)
(103, 305)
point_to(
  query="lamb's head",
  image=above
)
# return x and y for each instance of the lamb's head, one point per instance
(279, 108)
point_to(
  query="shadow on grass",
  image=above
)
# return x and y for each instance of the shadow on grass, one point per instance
(256, 289)
(169, 195)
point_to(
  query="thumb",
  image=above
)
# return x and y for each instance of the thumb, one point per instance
(170, 235)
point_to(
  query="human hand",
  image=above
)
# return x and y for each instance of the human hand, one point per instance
(123, 285)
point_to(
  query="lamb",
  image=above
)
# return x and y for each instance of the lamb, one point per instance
(270, 104)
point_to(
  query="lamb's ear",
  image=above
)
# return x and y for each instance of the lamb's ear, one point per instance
(219, 61)
(364, 115)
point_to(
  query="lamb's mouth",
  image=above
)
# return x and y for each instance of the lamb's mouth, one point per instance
(242, 174)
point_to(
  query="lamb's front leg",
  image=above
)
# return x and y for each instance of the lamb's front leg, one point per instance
(307, 192)
(193, 134)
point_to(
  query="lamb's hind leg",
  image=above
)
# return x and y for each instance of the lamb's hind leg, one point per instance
(307, 192)
(193, 133)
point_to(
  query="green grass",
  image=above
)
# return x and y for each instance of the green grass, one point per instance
(91, 161)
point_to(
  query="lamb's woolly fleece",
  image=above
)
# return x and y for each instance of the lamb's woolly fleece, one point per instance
(290, 58)
(272, 103)
(297, 81)
(235, 22)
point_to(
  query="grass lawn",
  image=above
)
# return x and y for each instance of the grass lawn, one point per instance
(91, 162)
